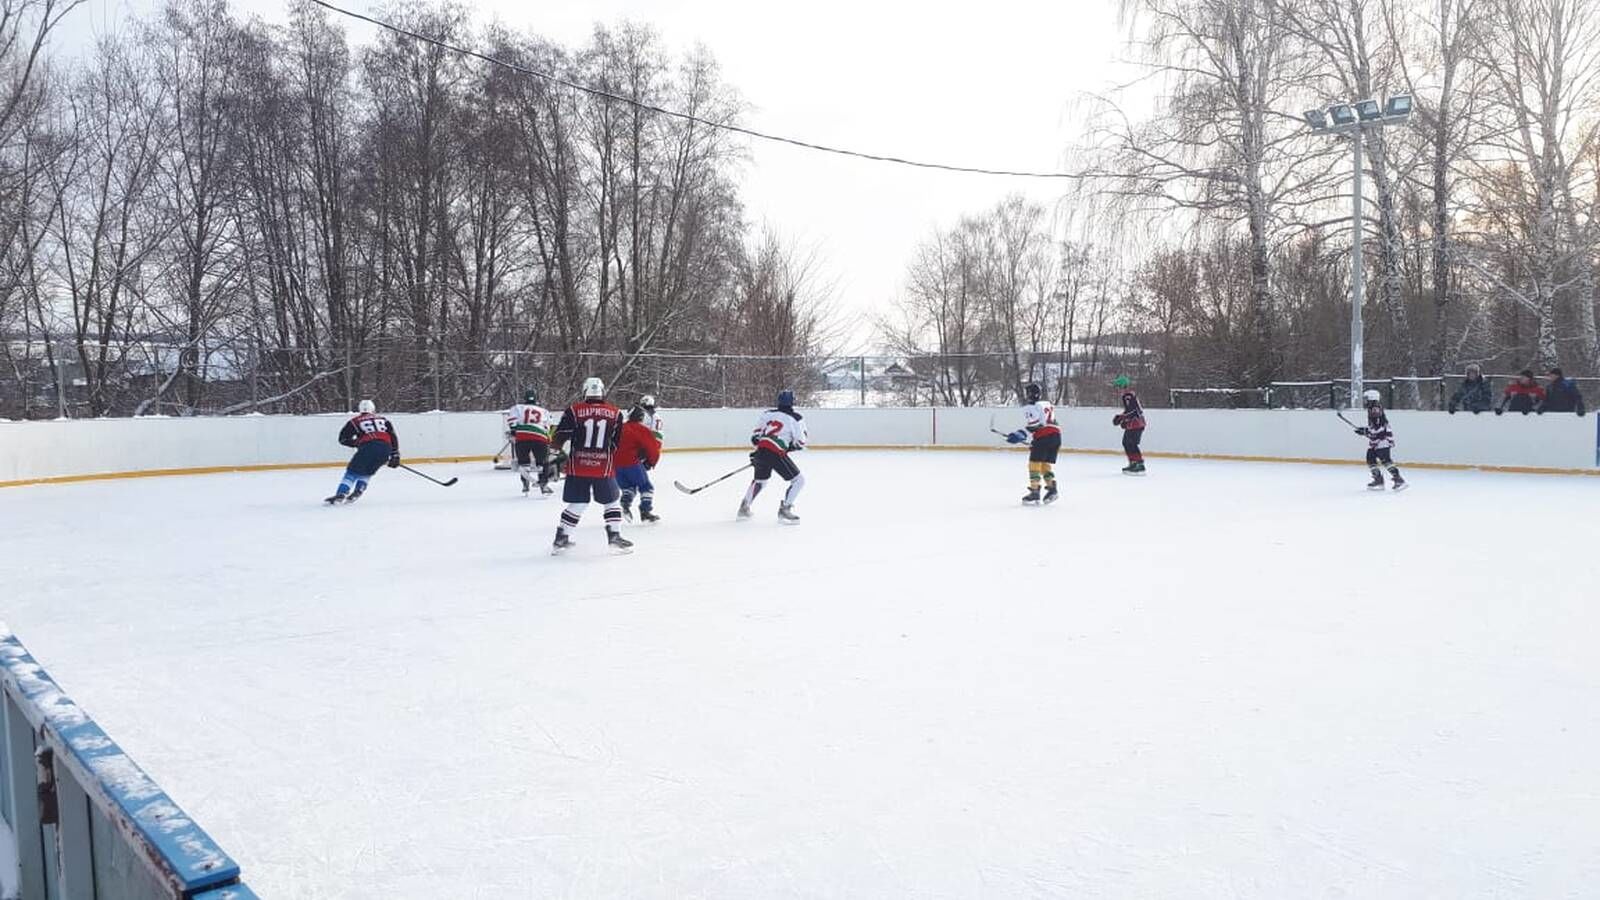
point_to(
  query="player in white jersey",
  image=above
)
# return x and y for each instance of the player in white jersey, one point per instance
(530, 426)
(779, 434)
(1043, 436)
(652, 421)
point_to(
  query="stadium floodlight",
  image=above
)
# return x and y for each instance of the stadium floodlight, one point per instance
(1350, 120)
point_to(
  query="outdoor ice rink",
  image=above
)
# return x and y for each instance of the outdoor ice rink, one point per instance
(1223, 680)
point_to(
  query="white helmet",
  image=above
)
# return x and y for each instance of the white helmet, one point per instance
(367, 406)
(648, 401)
(593, 388)
(1371, 396)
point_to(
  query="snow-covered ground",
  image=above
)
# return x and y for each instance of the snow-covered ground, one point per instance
(1223, 680)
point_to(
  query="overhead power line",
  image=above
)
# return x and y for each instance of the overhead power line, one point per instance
(689, 117)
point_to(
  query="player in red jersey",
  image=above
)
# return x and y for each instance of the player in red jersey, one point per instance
(1131, 421)
(375, 441)
(592, 426)
(638, 451)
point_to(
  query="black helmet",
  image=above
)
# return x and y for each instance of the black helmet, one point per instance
(530, 396)
(1033, 392)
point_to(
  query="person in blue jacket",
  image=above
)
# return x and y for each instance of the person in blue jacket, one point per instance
(1561, 395)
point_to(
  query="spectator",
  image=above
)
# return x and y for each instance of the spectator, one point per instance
(1473, 394)
(1523, 395)
(1561, 395)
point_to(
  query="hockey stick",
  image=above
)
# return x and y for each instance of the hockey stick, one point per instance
(994, 429)
(1344, 420)
(502, 450)
(429, 477)
(689, 490)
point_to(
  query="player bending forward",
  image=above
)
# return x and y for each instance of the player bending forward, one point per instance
(1380, 441)
(779, 434)
(529, 424)
(592, 426)
(1131, 420)
(375, 441)
(1039, 425)
(638, 451)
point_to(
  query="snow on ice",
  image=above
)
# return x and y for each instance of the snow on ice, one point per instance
(1223, 680)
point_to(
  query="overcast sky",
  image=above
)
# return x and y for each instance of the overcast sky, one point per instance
(998, 83)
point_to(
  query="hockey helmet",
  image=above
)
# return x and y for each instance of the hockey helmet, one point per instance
(593, 388)
(648, 401)
(1371, 396)
(785, 399)
(366, 406)
(1033, 392)
(530, 397)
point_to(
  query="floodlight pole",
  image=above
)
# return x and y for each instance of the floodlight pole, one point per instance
(1358, 278)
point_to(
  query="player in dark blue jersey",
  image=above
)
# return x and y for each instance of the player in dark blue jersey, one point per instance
(375, 441)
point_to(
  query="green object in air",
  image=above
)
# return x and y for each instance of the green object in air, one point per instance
(1121, 382)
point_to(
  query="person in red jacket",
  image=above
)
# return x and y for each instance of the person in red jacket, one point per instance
(1131, 420)
(1523, 395)
(638, 451)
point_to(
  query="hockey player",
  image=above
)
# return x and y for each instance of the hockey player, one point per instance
(651, 419)
(638, 451)
(779, 434)
(1040, 431)
(1131, 420)
(1380, 441)
(529, 424)
(592, 426)
(375, 441)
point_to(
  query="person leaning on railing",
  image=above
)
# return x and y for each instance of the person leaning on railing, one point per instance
(1561, 395)
(1522, 396)
(1473, 393)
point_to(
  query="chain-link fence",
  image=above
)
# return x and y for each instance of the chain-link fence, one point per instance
(58, 380)
(1406, 393)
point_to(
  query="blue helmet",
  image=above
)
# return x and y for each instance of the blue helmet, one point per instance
(785, 398)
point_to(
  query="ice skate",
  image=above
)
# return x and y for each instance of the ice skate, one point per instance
(786, 513)
(627, 512)
(562, 543)
(1136, 468)
(335, 500)
(744, 511)
(1376, 484)
(355, 494)
(648, 515)
(1051, 494)
(545, 489)
(619, 543)
(1031, 498)
(1400, 484)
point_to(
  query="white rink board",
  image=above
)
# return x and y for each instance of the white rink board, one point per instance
(30, 450)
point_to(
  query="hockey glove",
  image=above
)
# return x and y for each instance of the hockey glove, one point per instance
(1017, 437)
(1116, 420)
(1451, 410)
(1362, 431)
(394, 460)
(753, 455)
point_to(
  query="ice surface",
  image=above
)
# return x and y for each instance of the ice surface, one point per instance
(1195, 684)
